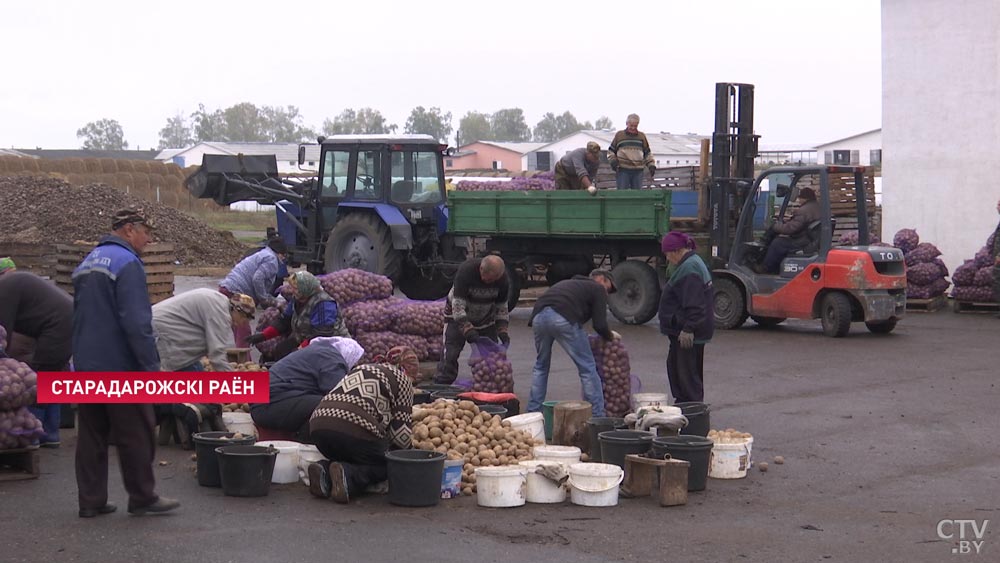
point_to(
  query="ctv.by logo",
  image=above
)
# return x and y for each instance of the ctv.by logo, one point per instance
(970, 534)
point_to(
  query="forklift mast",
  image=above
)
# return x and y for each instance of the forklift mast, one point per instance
(734, 149)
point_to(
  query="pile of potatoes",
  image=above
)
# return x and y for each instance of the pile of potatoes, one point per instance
(236, 407)
(461, 431)
(247, 366)
(728, 436)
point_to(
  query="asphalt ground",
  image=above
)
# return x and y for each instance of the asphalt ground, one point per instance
(884, 437)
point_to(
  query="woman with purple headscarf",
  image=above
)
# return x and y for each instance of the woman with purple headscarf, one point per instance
(687, 317)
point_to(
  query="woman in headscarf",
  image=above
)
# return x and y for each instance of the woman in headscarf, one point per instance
(310, 313)
(367, 413)
(687, 317)
(301, 379)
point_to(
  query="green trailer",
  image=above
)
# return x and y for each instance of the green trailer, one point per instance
(561, 232)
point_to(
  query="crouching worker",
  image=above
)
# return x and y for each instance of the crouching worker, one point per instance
(368, 412)
(311, 313)
(301, 379)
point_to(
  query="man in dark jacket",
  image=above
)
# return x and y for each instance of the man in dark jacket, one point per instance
(300, 380)
(559, 316)
(476, 306)
(37, 309)
(113, 331)
(578, 169)
(793, 233)
(687, 317)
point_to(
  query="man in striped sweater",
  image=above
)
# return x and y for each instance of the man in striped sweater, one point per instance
(369, 411)
(629, 155)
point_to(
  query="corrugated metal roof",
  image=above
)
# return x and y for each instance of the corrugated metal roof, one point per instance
(88, 153)
(12, 152)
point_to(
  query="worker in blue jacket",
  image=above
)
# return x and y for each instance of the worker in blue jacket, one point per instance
(113, 331)
(687, 317)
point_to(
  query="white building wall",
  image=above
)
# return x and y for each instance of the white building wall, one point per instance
(864, 144)
(940, 121)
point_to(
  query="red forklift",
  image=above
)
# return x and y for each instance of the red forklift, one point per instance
(837, 284)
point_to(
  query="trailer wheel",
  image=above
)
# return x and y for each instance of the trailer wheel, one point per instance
(362, 241)
(767, 322)
(638, 295)
(881, 327)
(835, 311)
(730, 304)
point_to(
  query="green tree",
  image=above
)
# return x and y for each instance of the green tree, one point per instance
(284, 125)
(365, 121)
(176, 133)
(474, 126)
(553, 127)
(509, 125)
(104, 134)
(245, 122)
(209, 126)
(429, 121)
(604, 122)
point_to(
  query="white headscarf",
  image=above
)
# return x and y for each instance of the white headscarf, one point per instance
(349, 348)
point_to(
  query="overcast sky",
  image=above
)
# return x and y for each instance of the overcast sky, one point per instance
(816, 65)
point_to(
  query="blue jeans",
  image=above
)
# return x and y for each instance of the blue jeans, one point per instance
(629, 178)
(51, 417)
(550, 326)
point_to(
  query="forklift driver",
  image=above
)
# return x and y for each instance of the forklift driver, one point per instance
(792, 233)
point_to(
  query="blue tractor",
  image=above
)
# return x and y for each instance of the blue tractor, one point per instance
(377, 204)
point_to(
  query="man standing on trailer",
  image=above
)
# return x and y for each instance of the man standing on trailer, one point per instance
(630, 156)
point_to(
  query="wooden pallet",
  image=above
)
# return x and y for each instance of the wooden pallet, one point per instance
(19, 464)
(974, 307)
(926, 305)
(158, 260)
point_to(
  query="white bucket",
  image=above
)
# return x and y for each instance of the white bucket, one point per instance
(542, 490)
(239, 422)
(286, 466)
(502, 486)
(566, 455)
(640, 400)
(308, 453)
(729, 461)
(595, 484)
(531, 422)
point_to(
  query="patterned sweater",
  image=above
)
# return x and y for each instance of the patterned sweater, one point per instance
(372, 402)
(630, 152)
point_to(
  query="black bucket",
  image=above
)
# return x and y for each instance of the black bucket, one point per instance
(616, 444)
(694, 449)
(208, 462)
(414, 477)
(421, 397)
(698, 417)
(246, 471)
(597, 425)
(494, 409)
(446, 395)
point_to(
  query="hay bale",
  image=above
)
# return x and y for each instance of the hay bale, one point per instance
(124, 165)
(174, 184)
(92, 165)
(140, 166)
(75, 166)
(75, 179)
(140, 181)
(108, 165)
(28, 165)
(106, 179)
(175, 170)
(48, 165)
(3, 163)
(123, 181)
(157, 167)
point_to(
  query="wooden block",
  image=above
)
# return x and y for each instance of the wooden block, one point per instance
(238, 355)
(640, 472)
(569, 424)
(19, 464)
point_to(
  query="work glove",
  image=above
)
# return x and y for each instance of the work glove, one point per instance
(686, 339)
(471, 335)
(658, 419)
(504, 338)
(652, 170)
(256, 338)
(554, 471)
(615, 335)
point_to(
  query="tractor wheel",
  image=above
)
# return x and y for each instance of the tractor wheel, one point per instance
(638, 295)
(767, 322)
(514, 288)
(730, 304)
(881, 327)
(835, 310)
(362, 241)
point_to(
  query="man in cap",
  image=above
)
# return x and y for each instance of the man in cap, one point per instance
(793, 234)
(113, 331)
(629, 155)
(559, 316)
(578, 169)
